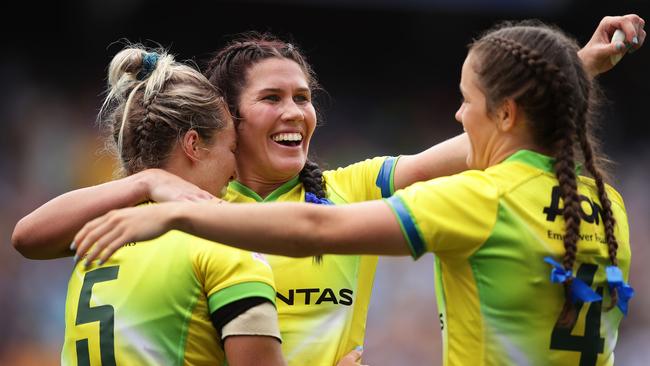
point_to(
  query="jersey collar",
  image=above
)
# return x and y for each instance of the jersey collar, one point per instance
(537, 160)
(534, 159)
(278, 192)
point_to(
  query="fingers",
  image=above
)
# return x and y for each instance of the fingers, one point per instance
(200, 197)
(110, 236)
(84, 238)
(633, 27)
(352, 358)
(642, 35)
(97, 235)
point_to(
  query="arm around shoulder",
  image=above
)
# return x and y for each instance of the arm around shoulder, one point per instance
(47, 232)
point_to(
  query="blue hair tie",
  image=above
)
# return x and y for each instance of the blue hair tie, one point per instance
(312, 198)
(579, 290)
(149, 60)
(625, 291)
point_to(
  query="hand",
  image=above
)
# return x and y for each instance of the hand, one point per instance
(106, 234)
(596, 53)
(352, 359)
(163, 186)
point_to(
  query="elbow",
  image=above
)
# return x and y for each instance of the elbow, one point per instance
(19, 240)
(22, 241)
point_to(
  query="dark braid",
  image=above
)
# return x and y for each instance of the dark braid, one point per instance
(311, 178)
(538, 67)
(608, 216)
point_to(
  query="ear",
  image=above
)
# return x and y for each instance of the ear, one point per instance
(190, 144)
(507, 115)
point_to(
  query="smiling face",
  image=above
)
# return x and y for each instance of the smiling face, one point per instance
(277, 122)
(480, 126)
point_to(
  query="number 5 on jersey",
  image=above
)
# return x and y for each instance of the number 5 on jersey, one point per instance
(103, 314)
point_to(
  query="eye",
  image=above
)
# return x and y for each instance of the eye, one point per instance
(271, 97)
(302, 98)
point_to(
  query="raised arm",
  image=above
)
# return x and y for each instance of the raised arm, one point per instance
(48, 231)
(291, 229)
(596, 54)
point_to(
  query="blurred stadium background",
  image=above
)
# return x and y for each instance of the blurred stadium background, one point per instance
(390, 69)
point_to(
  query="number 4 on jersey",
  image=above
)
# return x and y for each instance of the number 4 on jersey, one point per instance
(590, 344)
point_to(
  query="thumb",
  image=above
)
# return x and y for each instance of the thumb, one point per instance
(353, 356)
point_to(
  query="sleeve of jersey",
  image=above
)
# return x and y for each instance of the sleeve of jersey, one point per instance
(450, 216)
(363, 181)
(230, 274)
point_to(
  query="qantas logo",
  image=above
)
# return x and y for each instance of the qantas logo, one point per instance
(316, 296)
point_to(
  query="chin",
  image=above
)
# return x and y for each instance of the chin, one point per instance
(290, 166)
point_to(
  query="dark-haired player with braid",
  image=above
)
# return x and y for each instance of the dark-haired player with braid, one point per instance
(527, 103)
(268, 85)
(184, 300)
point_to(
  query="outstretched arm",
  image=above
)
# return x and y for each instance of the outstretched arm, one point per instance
(48, 231)
(291, 229)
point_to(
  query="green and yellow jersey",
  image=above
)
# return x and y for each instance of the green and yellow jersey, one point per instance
(322, 307)
(490, 231)
(154, 303)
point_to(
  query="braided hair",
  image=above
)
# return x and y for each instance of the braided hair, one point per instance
(227, 70)
(537, 66)
(153, 100)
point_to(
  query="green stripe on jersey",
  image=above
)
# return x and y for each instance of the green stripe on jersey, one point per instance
(240, 291)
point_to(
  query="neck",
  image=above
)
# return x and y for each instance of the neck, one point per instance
(263, 187)
(511, 146)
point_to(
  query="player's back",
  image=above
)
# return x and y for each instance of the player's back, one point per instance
(150, 304)
(490, 232)
(516, 295)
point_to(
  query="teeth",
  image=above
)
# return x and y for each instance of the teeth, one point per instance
(287, 137)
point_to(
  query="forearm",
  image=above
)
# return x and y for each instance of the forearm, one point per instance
(47, 232)
(446, 158)
(295, 229)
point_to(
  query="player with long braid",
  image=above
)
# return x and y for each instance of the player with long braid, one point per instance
(494, 230)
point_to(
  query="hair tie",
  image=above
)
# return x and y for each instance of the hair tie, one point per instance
(149, 60)
(312, 198)
(625, 291)
(578, 289)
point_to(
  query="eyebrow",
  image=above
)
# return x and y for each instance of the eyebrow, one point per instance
(279, 90)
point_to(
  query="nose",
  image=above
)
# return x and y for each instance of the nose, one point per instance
(459, 113)
(292, 112)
